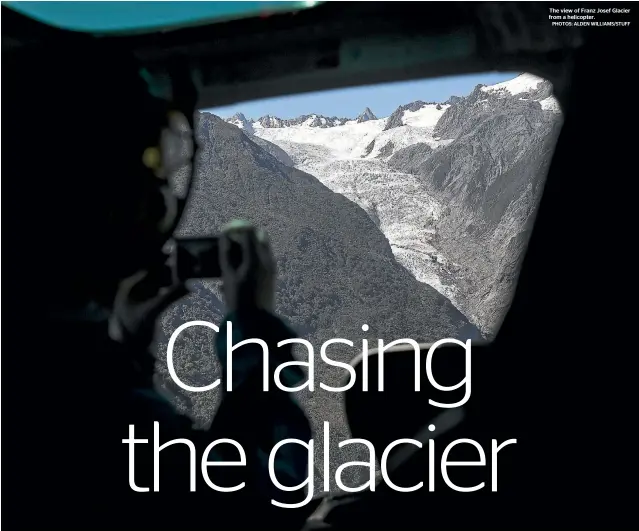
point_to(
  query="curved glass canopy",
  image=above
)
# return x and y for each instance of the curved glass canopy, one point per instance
(141, 16)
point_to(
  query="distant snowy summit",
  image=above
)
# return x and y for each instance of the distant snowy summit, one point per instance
(366, 116)
(407, 114)
(239, 120)
(527, 87)
(522, 84)
(417, 113)
(306, 120)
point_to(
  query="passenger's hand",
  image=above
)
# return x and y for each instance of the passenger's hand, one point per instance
(139, 302)
(250, 284)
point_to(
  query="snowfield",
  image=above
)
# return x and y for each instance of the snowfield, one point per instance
(341, 141)
(427, 116)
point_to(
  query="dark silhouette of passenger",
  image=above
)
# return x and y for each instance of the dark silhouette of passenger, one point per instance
(88, 165)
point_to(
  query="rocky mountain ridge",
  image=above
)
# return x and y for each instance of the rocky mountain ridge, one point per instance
(490, 179)
(321, 121)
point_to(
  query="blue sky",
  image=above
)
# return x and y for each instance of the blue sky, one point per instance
(348, 103)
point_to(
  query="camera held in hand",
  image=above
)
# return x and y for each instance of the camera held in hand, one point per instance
(200, 257)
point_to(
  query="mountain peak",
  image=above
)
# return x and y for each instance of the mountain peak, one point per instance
(523, 83)
(239, 120)
(270, 121)
(308, 120)
(238, 116)
(366, 116)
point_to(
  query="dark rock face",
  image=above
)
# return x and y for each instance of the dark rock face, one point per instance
(411, 157)
(336, 273)
(490, 179)
(386, 151)
(369, 148)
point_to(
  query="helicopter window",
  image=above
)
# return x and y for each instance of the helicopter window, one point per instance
(395, 211)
